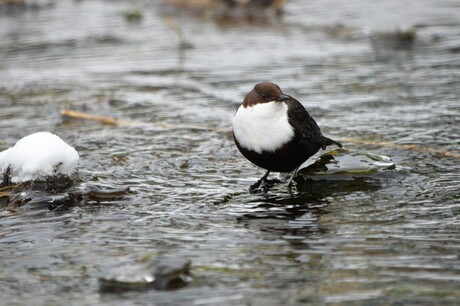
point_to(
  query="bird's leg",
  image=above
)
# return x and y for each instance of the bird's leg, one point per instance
(261, 181)
(264, 178)
(292, 176)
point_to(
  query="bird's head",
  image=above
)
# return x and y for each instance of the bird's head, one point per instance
(263, 93)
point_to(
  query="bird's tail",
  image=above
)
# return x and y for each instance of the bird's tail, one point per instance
(330, 142)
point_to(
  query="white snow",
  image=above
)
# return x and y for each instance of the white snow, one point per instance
(37, 156)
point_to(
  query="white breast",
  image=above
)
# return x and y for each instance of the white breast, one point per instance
(262, 127)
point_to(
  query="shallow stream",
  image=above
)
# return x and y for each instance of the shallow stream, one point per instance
(394, 239)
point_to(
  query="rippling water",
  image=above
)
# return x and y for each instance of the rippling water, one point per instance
(391, 240)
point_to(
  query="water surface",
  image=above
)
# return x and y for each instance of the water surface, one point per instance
(390, 240)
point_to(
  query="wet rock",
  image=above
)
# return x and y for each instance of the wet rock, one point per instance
(133, 16)
(56, 193)
(172, 273)
(396, 40)
(168, 273)
(226, 11)
(342, 164)
(18, 6)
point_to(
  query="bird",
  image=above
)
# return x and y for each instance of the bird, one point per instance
(275, 132)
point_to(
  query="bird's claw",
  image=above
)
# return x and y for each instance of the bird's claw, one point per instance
(262, 185)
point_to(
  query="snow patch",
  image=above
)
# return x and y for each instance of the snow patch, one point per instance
(38, 156)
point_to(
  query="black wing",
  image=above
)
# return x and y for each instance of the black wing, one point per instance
(305, 126)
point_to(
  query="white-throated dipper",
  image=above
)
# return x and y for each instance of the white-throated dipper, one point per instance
(275, 132)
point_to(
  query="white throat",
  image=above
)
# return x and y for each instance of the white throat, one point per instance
(262, 127)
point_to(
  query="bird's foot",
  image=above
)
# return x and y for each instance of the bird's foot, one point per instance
(259, 185)
(262, 185)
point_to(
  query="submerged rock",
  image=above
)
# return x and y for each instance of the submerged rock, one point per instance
(168, 273)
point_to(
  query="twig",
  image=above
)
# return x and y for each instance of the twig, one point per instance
(113, 121)
(102, 119)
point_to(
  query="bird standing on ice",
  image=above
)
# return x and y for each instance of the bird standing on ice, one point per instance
(275, 132)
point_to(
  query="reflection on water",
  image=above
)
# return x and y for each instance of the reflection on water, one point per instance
(390, 238)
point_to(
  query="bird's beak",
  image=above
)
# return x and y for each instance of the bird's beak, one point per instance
(282, 98)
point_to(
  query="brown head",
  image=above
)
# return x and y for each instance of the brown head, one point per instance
(263, 93)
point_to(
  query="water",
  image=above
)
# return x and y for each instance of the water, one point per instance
(391, 240)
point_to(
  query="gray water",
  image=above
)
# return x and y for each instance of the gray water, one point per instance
(394, 240)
